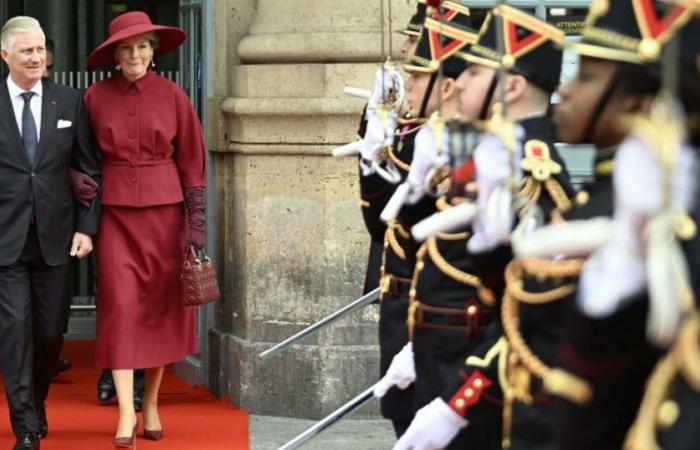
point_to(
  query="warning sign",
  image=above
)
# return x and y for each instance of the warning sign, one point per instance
(570, 25)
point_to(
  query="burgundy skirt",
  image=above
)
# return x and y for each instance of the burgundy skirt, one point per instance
(141, 320)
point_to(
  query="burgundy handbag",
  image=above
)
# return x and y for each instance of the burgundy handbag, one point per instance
(199, 285)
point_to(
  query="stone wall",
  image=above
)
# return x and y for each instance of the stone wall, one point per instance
(292, 247)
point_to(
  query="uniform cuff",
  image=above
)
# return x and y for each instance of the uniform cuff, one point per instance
(469, 394)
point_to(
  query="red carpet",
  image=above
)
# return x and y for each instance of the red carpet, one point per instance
(192, 418)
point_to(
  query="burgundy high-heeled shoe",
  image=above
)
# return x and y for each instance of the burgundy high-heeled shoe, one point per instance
(127, 442)
(152, 435)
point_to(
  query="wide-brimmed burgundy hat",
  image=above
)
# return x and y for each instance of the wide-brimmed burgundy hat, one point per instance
(132, 24)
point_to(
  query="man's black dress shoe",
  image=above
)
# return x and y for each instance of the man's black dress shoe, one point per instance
(105, 388)
(27, 441)
(62, 365)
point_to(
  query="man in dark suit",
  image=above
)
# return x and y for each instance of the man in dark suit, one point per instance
(43, 133)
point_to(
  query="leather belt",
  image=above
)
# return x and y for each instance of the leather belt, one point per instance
(396, 286)
(470, 319)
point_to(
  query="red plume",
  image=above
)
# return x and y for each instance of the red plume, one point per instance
(434, 3)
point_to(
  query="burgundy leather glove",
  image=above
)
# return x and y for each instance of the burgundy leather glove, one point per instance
(84, 187)
(195, 205)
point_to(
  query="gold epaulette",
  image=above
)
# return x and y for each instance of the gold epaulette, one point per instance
(538, 160)
(540, 166)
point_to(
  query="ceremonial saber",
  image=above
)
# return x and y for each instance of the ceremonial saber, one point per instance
(357, 304)
(330, 419)
(357, 92)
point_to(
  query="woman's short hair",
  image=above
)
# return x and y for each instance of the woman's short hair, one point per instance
(18, 24)
(152, 37)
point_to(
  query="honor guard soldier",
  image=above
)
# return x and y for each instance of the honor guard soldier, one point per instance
(440, 40)
(532, 58)
(398, 258)
(603, 346)
(670, 411)
(375, 191)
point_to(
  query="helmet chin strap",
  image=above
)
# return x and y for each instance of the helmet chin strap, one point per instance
(600, 106)
(483, 114)
(427, 94)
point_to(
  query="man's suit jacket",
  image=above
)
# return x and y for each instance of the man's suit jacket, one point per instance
(45, 183)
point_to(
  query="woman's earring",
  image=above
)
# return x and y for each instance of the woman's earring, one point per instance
(153, 64)
(118, 67)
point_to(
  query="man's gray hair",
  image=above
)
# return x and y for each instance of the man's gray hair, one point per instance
(18, 24)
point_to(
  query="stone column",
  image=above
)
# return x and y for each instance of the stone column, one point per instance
(293, 245)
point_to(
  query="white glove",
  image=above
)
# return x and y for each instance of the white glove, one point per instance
(434, 426)
(386, 82)
(379, 134)
(563, 240)
(609, 276)
(401, 372)
(447, 221)
(494, 167)
(425, 159)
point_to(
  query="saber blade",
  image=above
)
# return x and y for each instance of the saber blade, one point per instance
(330, 419)
(357, 304)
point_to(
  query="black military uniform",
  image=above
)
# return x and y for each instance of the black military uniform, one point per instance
(375, 191)
(497, 420)
(399, 257)
(670, 411)
(609, 357)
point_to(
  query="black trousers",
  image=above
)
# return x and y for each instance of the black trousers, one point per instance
(34, 304)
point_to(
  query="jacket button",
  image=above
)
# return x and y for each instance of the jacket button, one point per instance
(132, 113)
(132, 136)
(133, 180)
(33, 174)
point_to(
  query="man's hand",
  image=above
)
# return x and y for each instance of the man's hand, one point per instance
(386, 85)
(379, 134)
(82, 245)
(84, 187)
(401, 372)
(434, 426)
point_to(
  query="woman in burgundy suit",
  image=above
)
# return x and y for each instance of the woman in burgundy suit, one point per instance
(153, 168)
